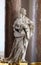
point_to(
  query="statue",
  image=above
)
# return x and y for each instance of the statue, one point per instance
(23, 29)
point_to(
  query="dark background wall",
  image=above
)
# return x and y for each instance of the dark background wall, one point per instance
(39, 31)
(11, 14)
(12, 9)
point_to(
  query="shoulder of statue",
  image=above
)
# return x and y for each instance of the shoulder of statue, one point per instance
(28, 20)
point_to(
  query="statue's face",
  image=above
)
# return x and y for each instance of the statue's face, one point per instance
(23, 11)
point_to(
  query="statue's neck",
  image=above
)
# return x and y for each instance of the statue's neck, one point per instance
(21, 15)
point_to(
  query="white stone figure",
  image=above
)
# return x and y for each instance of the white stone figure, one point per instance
(23, 29)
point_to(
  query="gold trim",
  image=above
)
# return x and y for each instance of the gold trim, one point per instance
(19, 63)
(4, 64)
(35, 63)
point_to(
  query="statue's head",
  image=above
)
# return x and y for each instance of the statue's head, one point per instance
(23, 11)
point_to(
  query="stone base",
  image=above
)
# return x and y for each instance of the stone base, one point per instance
(4, 64)
(20, 63)
(23, 63)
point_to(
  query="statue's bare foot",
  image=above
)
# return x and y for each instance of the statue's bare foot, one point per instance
(23, 60)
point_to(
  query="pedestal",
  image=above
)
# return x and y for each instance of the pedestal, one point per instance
(20, 63)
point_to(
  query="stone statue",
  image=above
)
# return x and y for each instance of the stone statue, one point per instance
(23, 29)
